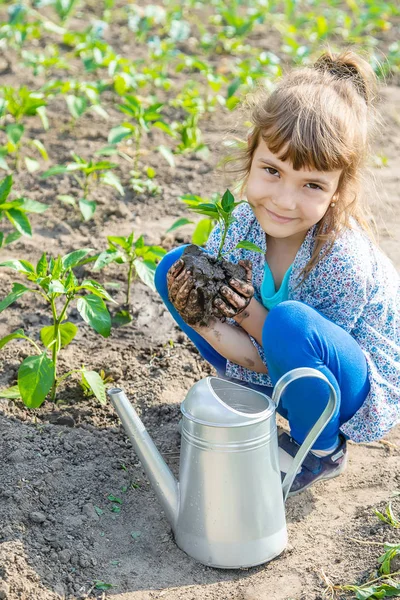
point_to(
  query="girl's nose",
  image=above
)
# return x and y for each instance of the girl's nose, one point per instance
(285, 199)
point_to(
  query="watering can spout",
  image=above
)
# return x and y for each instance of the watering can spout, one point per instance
(160, 476)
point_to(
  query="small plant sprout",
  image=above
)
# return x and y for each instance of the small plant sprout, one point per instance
(57, 284)
(90, 172)
(388, 517)
(16, 212)
(20, 104)
(219, 211)
(140, 259)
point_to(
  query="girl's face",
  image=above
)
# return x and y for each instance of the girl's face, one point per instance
(288, 202)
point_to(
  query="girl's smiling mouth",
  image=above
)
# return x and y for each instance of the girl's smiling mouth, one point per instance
(277, 218)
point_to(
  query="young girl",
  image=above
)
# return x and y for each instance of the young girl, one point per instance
(322, 295)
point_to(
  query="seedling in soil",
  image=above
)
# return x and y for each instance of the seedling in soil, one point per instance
(389, 517)
(55, 280)
(20, 104)
(90, 173)
(16, 212)
(140, 259)
(140, 185)
(210, 273)
(87, 390)
(145, 118)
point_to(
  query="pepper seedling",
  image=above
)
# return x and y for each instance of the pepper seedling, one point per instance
(219, 212)
(55, 280)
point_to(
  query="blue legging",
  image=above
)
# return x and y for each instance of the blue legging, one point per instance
(295, 335)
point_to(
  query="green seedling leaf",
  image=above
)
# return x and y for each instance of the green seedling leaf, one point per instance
(94, 312)
(228, 201)
(96, 289)
(96, 384)
(136, 534)
(76, 105)
(41, 149)
(99, 511)
(12, 393)
(17, 290)
(42, 265)
(117, 134)
(250, 246)
(67, 332)
(5, 188)
(115, 508)
(179, 223)
(87, 208)
(67, 199)
(18, 334)
(56, 170)
(146, 271)
(35, 379)
(20, 221)
(122, 317)
(105, 258)
(202, 232)
(113, 498)
(56, 287)
(71, 260)
(100, 585)
(32, 165)
(114, 181)
(167, 155)
(14, 133)
(32, 206)
(23, 266)
(15, 235)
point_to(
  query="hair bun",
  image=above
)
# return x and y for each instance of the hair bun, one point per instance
(348, 65)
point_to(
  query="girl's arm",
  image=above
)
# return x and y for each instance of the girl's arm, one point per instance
(252, 319)
(234, 344)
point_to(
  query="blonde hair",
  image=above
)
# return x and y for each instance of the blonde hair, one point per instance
(319, 118)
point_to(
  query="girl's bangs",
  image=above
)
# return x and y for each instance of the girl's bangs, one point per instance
(306, 144)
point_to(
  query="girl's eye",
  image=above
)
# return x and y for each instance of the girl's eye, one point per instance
(268, 169)
(317, 187)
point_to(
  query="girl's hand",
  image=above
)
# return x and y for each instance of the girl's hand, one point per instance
(233, 299)
(182, 292)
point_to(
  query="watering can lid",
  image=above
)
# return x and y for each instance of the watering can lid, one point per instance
(218, 402)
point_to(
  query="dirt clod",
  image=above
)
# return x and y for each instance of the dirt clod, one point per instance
(210, 275)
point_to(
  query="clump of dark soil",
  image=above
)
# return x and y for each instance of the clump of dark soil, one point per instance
(210, 275)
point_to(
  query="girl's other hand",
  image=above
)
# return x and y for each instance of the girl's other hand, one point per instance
(182, 292)
(233, 299)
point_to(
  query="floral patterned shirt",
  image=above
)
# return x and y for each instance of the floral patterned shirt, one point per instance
(357, 287)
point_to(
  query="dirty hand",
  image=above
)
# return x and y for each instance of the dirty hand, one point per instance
(233, 299)
(182, 292)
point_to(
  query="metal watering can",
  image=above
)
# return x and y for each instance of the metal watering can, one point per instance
(227, 510)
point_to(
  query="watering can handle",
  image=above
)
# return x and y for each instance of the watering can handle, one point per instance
(315, 431)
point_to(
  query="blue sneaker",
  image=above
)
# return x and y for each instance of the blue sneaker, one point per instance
(314, 468)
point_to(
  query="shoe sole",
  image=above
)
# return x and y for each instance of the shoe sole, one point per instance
(323, 478)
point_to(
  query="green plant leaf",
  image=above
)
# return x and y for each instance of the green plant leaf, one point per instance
(76, 105)
(228, 201)
(56, 287)
(5, 188)
(20, 221)
(17, 290)
(12, 393)
(250, 246)
(18, 334)
(23, 266)
(87, 208)
(202, 232)
(145, 271)
(114, 181)
(15, 132)
(94, 312)
(96, 289)
(73, 258)
(56, 170)
(67, 333)
(67, 199)
(33, 206)
(40, 148)
(35, 378)
(117, 134)
(105, 258)
(32, 165)
(42, 265)
(179, 223)
(167, 155)
(96, 384)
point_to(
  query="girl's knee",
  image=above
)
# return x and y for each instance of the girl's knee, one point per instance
(285, 323)
(160, 276)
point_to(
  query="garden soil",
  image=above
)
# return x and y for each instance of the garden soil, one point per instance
(78, 517)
